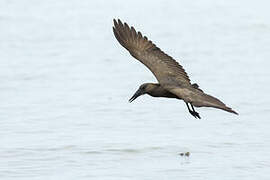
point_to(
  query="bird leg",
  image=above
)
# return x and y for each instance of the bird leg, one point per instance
(193, 113)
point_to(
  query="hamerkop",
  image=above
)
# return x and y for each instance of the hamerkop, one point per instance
(173, 79)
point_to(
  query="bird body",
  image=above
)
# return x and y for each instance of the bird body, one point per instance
(156, 90)
(173, 79)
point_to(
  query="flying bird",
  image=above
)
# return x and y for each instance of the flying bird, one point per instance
(173, 81)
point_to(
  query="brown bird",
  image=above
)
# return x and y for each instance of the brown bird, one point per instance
(173, 79)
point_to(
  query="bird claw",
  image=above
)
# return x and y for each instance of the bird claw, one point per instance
(195, 114)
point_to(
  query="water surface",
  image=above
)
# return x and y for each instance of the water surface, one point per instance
(66, 81)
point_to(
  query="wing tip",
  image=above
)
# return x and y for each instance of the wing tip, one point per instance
(117, 22)
(129, 38)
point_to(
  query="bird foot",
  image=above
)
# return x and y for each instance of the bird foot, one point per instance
(195, 114)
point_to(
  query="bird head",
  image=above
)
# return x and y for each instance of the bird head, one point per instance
(143, 89)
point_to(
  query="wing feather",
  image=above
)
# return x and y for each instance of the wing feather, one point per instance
(163, 66)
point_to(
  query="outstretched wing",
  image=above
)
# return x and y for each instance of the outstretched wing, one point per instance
(164, 67)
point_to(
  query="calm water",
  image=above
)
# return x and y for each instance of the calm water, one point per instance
(66, 81)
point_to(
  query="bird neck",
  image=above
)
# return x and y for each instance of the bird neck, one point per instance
(156, 90)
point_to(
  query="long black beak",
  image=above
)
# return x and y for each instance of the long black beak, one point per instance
(137, 94)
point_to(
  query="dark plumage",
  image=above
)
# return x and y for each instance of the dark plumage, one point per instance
(173, 80)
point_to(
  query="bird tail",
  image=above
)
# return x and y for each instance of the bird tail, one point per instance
(210, 101)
